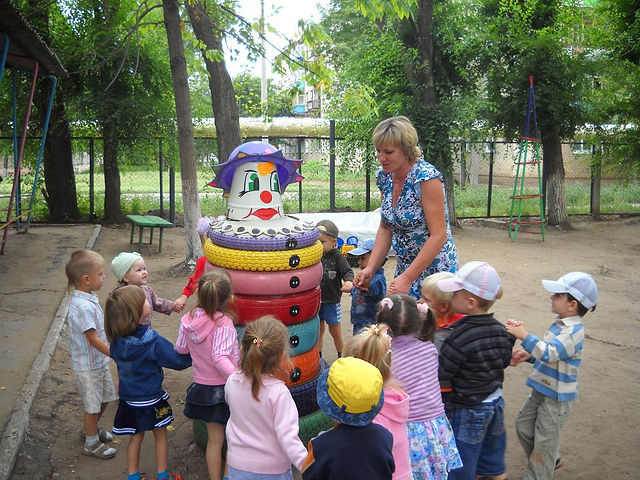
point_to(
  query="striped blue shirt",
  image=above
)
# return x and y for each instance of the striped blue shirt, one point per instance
(85, 314)
(557, 358)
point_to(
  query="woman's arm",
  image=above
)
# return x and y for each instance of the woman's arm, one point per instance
(381, 247)
(432, 195)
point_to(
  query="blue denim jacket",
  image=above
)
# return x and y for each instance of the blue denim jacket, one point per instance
(140, 358)
(364, 302)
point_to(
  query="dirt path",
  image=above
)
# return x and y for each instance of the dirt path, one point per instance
(601, 438)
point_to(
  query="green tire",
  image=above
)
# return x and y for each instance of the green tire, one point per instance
(311, 425)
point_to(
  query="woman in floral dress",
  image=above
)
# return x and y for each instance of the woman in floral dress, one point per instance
(414, 216)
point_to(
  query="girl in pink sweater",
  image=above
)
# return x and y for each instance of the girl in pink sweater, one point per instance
(208, 334)
(262, 432)
(373, 345)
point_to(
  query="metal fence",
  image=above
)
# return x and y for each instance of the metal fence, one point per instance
(336, 179)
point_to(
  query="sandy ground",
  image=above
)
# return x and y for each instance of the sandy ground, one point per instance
(600, 440)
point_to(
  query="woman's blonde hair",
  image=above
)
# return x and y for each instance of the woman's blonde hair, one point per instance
(82, 262)
(122, 311)
(263, 350)
(214, 291)
(373, 345)
(398, 131)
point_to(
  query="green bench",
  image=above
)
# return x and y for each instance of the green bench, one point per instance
(150, 221)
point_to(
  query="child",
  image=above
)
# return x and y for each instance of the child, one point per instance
(472, 362)
(554, 379)
(262, 431)
(192, 283)
(140, 354)
(373, 345)
(335, 270)
(440, 304)
(415, 365)
(364, 302)
(208, 334)
(89, 349)
(350, 393)
(130, 269)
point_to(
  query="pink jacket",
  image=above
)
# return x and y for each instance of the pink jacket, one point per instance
(393, 417)
(262, 437)
(212, 343)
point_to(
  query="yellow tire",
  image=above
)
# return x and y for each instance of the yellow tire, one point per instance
(262, 261)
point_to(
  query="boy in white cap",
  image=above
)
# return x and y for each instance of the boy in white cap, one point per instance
(364, 302)
(351, 394)
(554, 379)
(472, 362)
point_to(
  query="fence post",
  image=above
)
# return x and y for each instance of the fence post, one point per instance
(172, 194)
(492, 147)
(367, 187)
(92, 171)
(596, 176)
(160, 164)
(300, 141)
(332, 165)
(463, 165)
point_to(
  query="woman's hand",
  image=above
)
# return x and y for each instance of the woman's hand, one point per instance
(362, 278)
(400, 284)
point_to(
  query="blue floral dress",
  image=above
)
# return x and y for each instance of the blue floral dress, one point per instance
(406, 220)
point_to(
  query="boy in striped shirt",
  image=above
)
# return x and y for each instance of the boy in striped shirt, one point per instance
(554, 379)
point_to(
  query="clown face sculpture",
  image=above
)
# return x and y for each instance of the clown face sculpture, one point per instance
(255, 193)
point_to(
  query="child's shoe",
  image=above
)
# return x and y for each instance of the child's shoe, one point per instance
(99, 450)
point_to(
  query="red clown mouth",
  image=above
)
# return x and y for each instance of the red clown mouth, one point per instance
(264, 213)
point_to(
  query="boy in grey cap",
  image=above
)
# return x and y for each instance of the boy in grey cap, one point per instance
(554, 379)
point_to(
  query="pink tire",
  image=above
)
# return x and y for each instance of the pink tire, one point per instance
(276, 283)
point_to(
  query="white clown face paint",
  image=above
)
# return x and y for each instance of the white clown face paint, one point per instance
(255, 193)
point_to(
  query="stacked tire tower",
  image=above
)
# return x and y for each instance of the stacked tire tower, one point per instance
(274, 261)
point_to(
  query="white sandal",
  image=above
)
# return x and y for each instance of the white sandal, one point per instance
(103, 435)
(99, 450)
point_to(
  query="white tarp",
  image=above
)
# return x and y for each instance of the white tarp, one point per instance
(359, 224)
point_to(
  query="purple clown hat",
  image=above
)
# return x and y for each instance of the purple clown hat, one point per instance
(256, 152)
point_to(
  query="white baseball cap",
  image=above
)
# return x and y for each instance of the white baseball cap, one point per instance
(580, 285)
(475, 277)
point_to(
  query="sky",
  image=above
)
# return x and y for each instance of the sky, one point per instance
(281, 14)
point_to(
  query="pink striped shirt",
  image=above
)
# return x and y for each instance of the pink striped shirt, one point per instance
(415, 364)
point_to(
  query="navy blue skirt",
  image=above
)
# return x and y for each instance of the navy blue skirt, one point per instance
(136, 417)
(206, 403)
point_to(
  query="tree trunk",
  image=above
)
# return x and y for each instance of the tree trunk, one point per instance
(112, 209)
(451, 199)
(553, 176)
(186, 143)
(424, 37)
(59, 178)
(223, 100)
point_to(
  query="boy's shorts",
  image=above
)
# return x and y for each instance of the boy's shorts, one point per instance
(331, 313)
(95, 387)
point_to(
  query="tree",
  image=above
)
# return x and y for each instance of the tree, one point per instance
(186, 143)
(247, 92)
(223, 102)
(531, 39)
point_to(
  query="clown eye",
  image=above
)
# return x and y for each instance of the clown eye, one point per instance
(251, 182)
(275, 185)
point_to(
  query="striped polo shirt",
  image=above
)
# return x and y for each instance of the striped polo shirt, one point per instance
(557, 358)
(85, 314)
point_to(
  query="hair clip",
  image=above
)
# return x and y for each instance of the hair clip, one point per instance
(423, 308)
(257, 341)
(380, 330)
(386, 302)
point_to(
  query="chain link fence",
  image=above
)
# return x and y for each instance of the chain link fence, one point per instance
(484, 175)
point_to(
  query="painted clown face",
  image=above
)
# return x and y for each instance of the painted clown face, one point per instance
(255, 193)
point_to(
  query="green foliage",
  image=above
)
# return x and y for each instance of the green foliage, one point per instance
(247, 92)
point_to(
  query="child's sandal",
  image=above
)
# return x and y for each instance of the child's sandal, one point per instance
(174, 476)
(99, 450)
(559, 463)
(103, 435)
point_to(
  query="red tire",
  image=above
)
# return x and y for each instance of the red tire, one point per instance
(289, 309)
